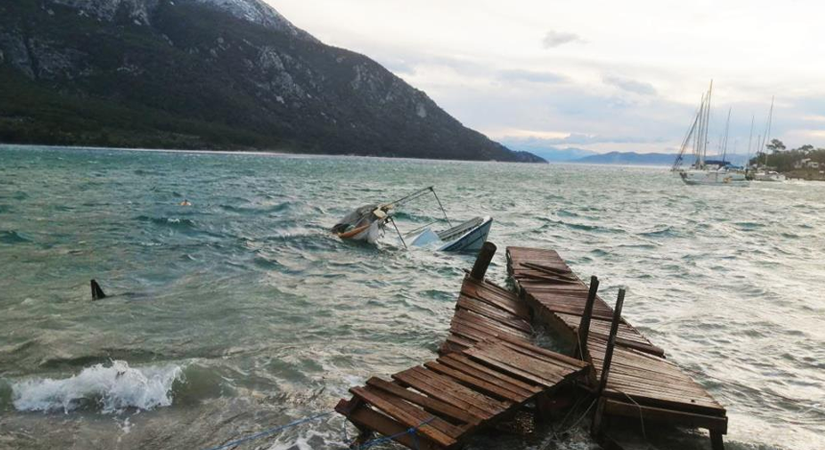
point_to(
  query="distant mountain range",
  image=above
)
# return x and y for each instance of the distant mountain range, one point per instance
(550, 153)
(647, 159)
(208, 74)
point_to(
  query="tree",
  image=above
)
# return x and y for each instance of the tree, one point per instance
(775, 146)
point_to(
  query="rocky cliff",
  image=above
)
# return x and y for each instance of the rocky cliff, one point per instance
(219, 74)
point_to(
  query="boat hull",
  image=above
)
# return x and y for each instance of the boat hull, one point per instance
(472, 240)
(713, 177)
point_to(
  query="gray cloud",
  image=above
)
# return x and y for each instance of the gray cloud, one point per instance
(556, 38)
(531, 76)
(626, 84)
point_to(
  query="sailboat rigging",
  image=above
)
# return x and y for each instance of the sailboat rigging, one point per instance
(704, 171)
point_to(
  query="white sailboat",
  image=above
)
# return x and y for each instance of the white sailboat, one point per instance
(763, 172)
(704, 171)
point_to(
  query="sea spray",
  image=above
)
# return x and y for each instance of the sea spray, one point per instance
(112, 388)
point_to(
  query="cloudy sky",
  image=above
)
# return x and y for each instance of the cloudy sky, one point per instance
(602, 76)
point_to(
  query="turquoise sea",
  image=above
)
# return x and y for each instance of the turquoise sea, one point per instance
(241, 312)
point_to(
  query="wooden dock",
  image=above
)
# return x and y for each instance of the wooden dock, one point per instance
(487, 370)
(631, 376)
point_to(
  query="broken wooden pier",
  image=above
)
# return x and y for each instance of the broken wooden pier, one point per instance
(631, 376)
(489, 366)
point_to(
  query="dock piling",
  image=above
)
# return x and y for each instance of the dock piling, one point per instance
(483, 261)
(611, 341)
(598, 420)
(587, 315)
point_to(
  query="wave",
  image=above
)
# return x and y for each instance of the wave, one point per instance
(111, 389)
(13, 237)
(172, 222)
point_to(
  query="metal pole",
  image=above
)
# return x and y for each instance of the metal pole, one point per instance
(442, 207)
(399, 233)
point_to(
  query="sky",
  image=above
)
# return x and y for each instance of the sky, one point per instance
(601, 76)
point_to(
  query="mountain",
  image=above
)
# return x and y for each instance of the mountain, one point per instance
(541, 148)
(648, 159)
(214, 74)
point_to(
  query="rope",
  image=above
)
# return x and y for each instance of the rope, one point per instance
(641, 417)
(411, 431)
(269, 431)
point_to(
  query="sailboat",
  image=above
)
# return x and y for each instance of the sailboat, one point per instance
(367, 224)
(703, 170)
(763, 172)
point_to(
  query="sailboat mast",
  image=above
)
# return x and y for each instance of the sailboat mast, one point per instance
(768, 131)
(727, 129)
(750, 139)
(697, 138)
(704, 153)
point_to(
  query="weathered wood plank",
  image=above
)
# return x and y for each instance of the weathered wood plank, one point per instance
(435, 405)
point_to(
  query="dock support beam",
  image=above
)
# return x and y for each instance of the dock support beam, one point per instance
(608, 358)
(584, 325)
(716, 442)
(483, 261)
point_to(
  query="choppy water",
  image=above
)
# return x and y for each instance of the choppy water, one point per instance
(240, 312)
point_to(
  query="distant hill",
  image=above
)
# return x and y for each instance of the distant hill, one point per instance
(548, 152)
(208, 74)
(646, 159)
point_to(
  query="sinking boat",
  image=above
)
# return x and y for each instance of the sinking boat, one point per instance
(465, 237)
(368, 223)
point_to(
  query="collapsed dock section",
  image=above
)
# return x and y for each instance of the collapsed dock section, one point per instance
(488, 369)
(631, 376)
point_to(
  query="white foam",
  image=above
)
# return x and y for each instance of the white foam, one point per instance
(113, 388)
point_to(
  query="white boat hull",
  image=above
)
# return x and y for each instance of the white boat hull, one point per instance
(713, 177)
(772, 177)
(466, 237)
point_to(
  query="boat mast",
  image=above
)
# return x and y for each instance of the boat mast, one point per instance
(767, 141)
(725, 145)
(700, 123)
(704, 152)
(750, 140)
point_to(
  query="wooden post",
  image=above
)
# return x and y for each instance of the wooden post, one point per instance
(716, 442)
(611, 341)
(97, 292)
(483, 261)
(584, 325)
(608, 357)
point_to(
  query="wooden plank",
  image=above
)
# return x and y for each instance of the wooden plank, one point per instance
(410, 378)
(404, 416)
(392, 405)
(472, 317)
(366, 418)
(461, 362)
(508, 303)
(617, 408)
(432, 404)
(477, 384)
(511, 370)
(547, 353)
(491, 312)
(663, 401)
(481, 400)
(534, 366)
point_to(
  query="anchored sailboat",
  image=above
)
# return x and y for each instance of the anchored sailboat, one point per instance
(763, 172)
(704, 171)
